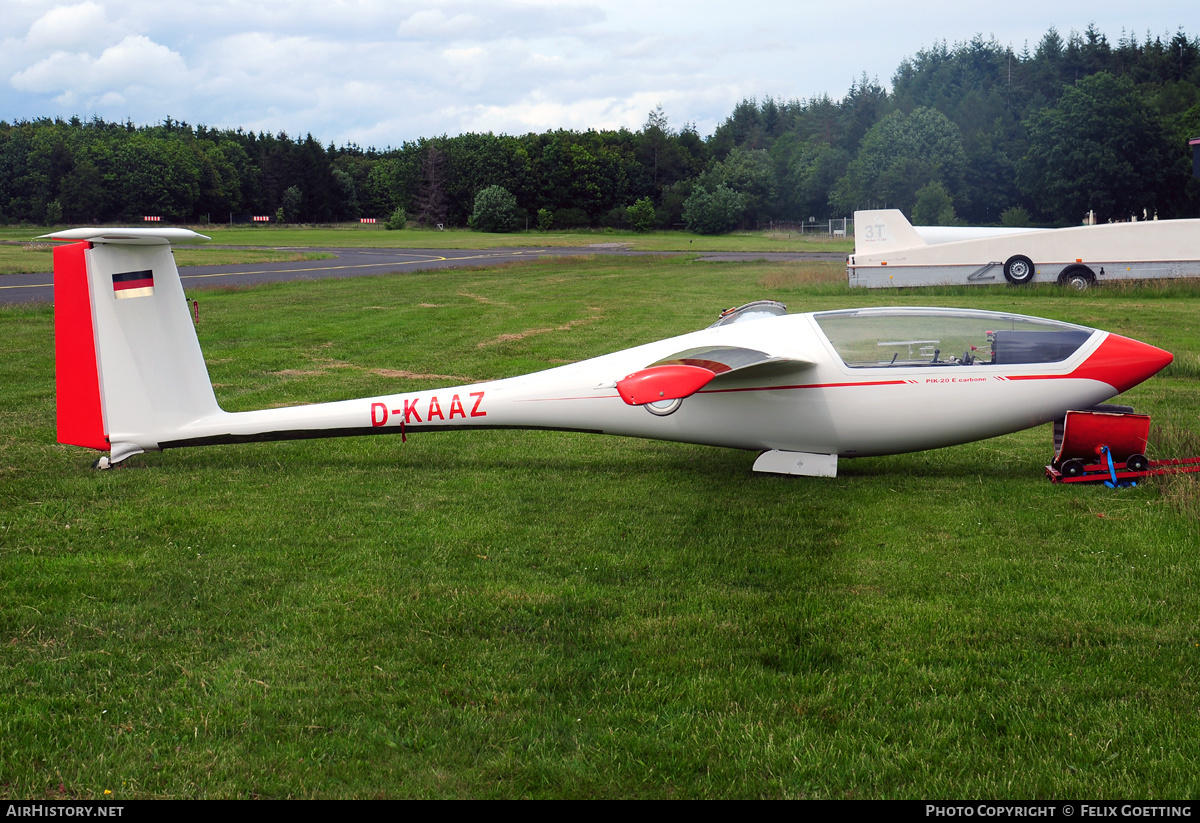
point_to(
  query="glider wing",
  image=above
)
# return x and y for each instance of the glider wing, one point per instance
(687, 372)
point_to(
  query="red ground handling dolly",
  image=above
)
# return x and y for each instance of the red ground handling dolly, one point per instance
(1108, 444)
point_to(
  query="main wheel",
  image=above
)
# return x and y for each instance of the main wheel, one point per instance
(1137, 463)
(661, 408)
(1018, 270)
(1077, 277)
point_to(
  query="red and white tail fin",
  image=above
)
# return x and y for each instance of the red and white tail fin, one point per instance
(128, 365)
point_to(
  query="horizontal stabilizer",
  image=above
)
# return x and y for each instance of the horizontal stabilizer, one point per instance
(130, 237)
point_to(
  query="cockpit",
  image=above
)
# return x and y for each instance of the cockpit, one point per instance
(907, 337)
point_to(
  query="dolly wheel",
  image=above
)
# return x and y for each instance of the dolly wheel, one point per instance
(1137, 463)
(1072, 468)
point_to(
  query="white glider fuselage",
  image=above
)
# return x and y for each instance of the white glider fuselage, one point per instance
(825, 408)
(844, 383)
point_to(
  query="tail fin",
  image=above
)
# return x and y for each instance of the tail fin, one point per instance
(883, 230)
(128, 364)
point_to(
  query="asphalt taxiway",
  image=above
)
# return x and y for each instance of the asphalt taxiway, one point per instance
(28, 288)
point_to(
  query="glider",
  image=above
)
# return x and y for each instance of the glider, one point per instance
(802, 389)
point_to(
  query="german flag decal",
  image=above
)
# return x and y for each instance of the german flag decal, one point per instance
(134, 283)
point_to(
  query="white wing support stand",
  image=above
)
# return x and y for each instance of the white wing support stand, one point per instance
(802, 464)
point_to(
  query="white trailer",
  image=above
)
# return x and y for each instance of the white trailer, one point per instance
(890, 252)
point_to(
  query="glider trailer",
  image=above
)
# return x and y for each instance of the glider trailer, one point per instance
(890, 252)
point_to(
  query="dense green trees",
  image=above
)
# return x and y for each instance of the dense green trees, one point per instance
(900, 155)
(713, 212)
(751, 174)
(934, 206)
(969, 132)
(1100, 147)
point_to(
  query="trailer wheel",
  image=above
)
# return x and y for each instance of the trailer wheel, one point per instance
(1137, 463)
(1077, 277)
(1072, 468)
(1018, 270)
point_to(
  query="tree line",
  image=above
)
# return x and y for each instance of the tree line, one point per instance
(975, 132)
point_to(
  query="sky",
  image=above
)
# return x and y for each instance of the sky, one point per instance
(382, 72)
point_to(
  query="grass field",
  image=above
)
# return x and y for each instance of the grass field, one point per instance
(38, 257)
(375, 236)
(532, 614)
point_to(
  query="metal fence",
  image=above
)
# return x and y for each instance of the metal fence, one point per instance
(831, 227)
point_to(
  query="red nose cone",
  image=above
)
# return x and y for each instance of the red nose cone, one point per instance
(1123, 363)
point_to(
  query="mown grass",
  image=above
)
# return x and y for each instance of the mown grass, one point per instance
(533, 614)
(33, 257)
(354, 235)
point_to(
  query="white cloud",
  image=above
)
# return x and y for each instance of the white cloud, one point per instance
(463, 55)
(135, 61)
(429, 23)
(66, 27)
(385, 71)
(57, 72)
